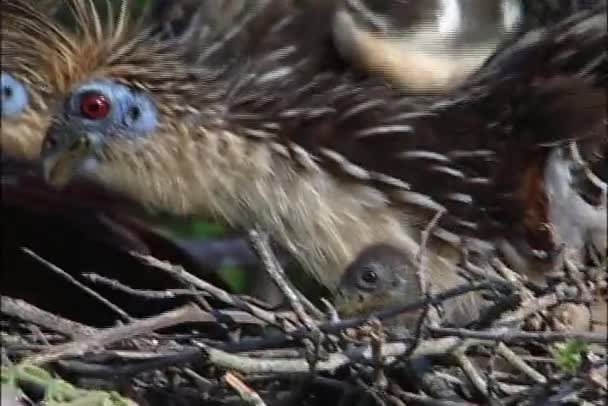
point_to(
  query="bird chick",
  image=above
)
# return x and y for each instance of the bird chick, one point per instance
(383, 276)
(326, 162)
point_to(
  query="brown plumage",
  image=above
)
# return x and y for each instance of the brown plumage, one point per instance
(431, 46)
(39, 57)
(23, 130)
(326, 162)
(424, 46)
(83, 207)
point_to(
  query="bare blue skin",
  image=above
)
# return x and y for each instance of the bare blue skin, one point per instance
(132, 113)
(14, 96)
(131, 116)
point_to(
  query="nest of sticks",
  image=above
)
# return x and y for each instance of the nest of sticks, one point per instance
(189, 341)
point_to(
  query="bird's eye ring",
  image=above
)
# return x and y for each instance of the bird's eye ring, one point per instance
(94, 106)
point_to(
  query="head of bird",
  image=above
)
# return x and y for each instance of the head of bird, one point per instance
(121, 87)
(146, 115)
(31, 44)
(381, 275)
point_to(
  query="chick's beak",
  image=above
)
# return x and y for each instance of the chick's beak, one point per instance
(63, 157)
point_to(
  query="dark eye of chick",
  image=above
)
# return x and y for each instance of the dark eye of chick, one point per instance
(368, 278)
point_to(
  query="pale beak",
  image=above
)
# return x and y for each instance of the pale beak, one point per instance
(62, 165)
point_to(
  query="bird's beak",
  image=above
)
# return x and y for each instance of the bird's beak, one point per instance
(62, 164)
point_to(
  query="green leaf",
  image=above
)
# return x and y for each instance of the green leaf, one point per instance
(569, 355)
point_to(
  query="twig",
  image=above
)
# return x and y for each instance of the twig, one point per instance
(513, 336)
(25, 311)
(332, 313)
(186, 314)
(147, 294)
(181, 274)
(526, 309)
(123, 315)
(520, 364)
(334, 361)
(424, 400)
(260, 241)
(248, 395)
(377, 342)
(470, 370)
(333, 328)
(512, 277)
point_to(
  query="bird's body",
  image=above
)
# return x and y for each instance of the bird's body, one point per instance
(326, 162)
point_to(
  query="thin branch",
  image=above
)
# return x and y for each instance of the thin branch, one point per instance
(334, 361)
(260, 241)
(520, 364)
(186, 314)
(123, 315)
(181, 274)
(514, 336)
(471, 371)
(144, 293)
(32, 314)
(248, 395)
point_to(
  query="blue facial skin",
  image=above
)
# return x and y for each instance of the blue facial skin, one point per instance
(14, 96)
(132, 114)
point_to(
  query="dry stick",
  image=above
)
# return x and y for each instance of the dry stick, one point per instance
(248, 395)
(260, 241)
(377, 342)
(335, 327)
(181, 274)
(470, 370)
(576, 275)
(186, 314)
(32, 314)
(512, 336)
(265, 246)
(334, 361)
(526, 309)
(424, 400)
(513, 277)
(145, 293)
(520, 364)
(86, 289)
(425, 286)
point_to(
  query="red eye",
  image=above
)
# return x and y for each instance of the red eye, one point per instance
(94, 106)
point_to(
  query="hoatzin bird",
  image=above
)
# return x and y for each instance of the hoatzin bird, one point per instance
(326, 162)
(84, 218)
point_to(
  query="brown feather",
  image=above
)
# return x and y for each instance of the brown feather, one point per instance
(325, 160)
